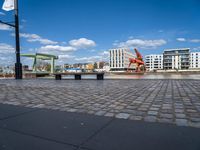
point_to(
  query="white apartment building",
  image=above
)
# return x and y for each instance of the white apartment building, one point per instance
(154, 62)
(194, 60)
(175, 59)
(119, 59)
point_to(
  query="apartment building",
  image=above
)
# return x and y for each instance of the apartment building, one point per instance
(154, 62)
(175, 59)
(119, 59)
(195, 60)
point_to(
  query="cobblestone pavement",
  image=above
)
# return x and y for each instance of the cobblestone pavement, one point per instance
(166, 101)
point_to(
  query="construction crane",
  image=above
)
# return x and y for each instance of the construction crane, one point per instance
(138, 61)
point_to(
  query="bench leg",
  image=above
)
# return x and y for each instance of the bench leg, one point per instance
(100, 77)
(58, 77)
(77, 77)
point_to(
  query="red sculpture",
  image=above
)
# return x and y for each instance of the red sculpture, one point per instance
(138, 61)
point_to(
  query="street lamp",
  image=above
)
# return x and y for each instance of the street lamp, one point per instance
(18, 65)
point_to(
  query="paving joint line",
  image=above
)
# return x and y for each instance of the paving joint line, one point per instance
(20, 114)
(95, 133)
(39, 137)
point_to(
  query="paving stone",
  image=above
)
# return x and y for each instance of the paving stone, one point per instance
(154, 108)
(109, 114)
(150, 118)
(136, 118)
(143, 109)
(154, 113)
(169, 116)
(179, 110)
(72, 110)
(100, 113)
(181, 122)
(195, 124)
(195, 119)
(180, 116)
(191, 110)
(119, 107)
(122, 116)
(165, 120)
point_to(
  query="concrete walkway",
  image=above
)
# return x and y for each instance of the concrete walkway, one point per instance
(42, 129)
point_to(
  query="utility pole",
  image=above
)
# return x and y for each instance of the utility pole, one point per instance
(18, 65)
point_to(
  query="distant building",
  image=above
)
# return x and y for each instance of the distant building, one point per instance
(154, 62)
(89, 66)
(195, 60)
(8, 69)
(175, 59)
(100, 64)
(119, 59)
(66, 66)
(80, 65)
(72, 70)
(101, 67)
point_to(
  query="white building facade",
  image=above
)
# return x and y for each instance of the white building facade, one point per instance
(119, 59)
(194, 60)
(175, 59)
(154, 62)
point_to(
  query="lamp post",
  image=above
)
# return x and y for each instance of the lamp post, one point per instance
(18, 65)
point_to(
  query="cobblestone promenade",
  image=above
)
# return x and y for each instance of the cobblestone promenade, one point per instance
(166, 101)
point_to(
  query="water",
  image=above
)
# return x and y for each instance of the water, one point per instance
(139, 76)
(155, 76)
(135, 76)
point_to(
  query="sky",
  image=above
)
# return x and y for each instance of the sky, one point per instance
(81, 31)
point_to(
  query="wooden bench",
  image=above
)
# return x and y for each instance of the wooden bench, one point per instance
(78, 76)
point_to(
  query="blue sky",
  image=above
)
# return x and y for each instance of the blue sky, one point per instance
(84, 30)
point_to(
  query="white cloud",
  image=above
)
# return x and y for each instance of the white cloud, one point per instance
(195, 40)
(104, 53)
(57, 48)
(29, 36)
(188, 40)
(92, 50)
(65, 57)
(7, 56)
(37, 38)
(5, 27)
(74, 45)
(89, 59)
(2, 14)
(139, 43)
(82, 43)
(196, 49)
(181, 39)
(42, 41)
(5, 48)
(6, 60)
